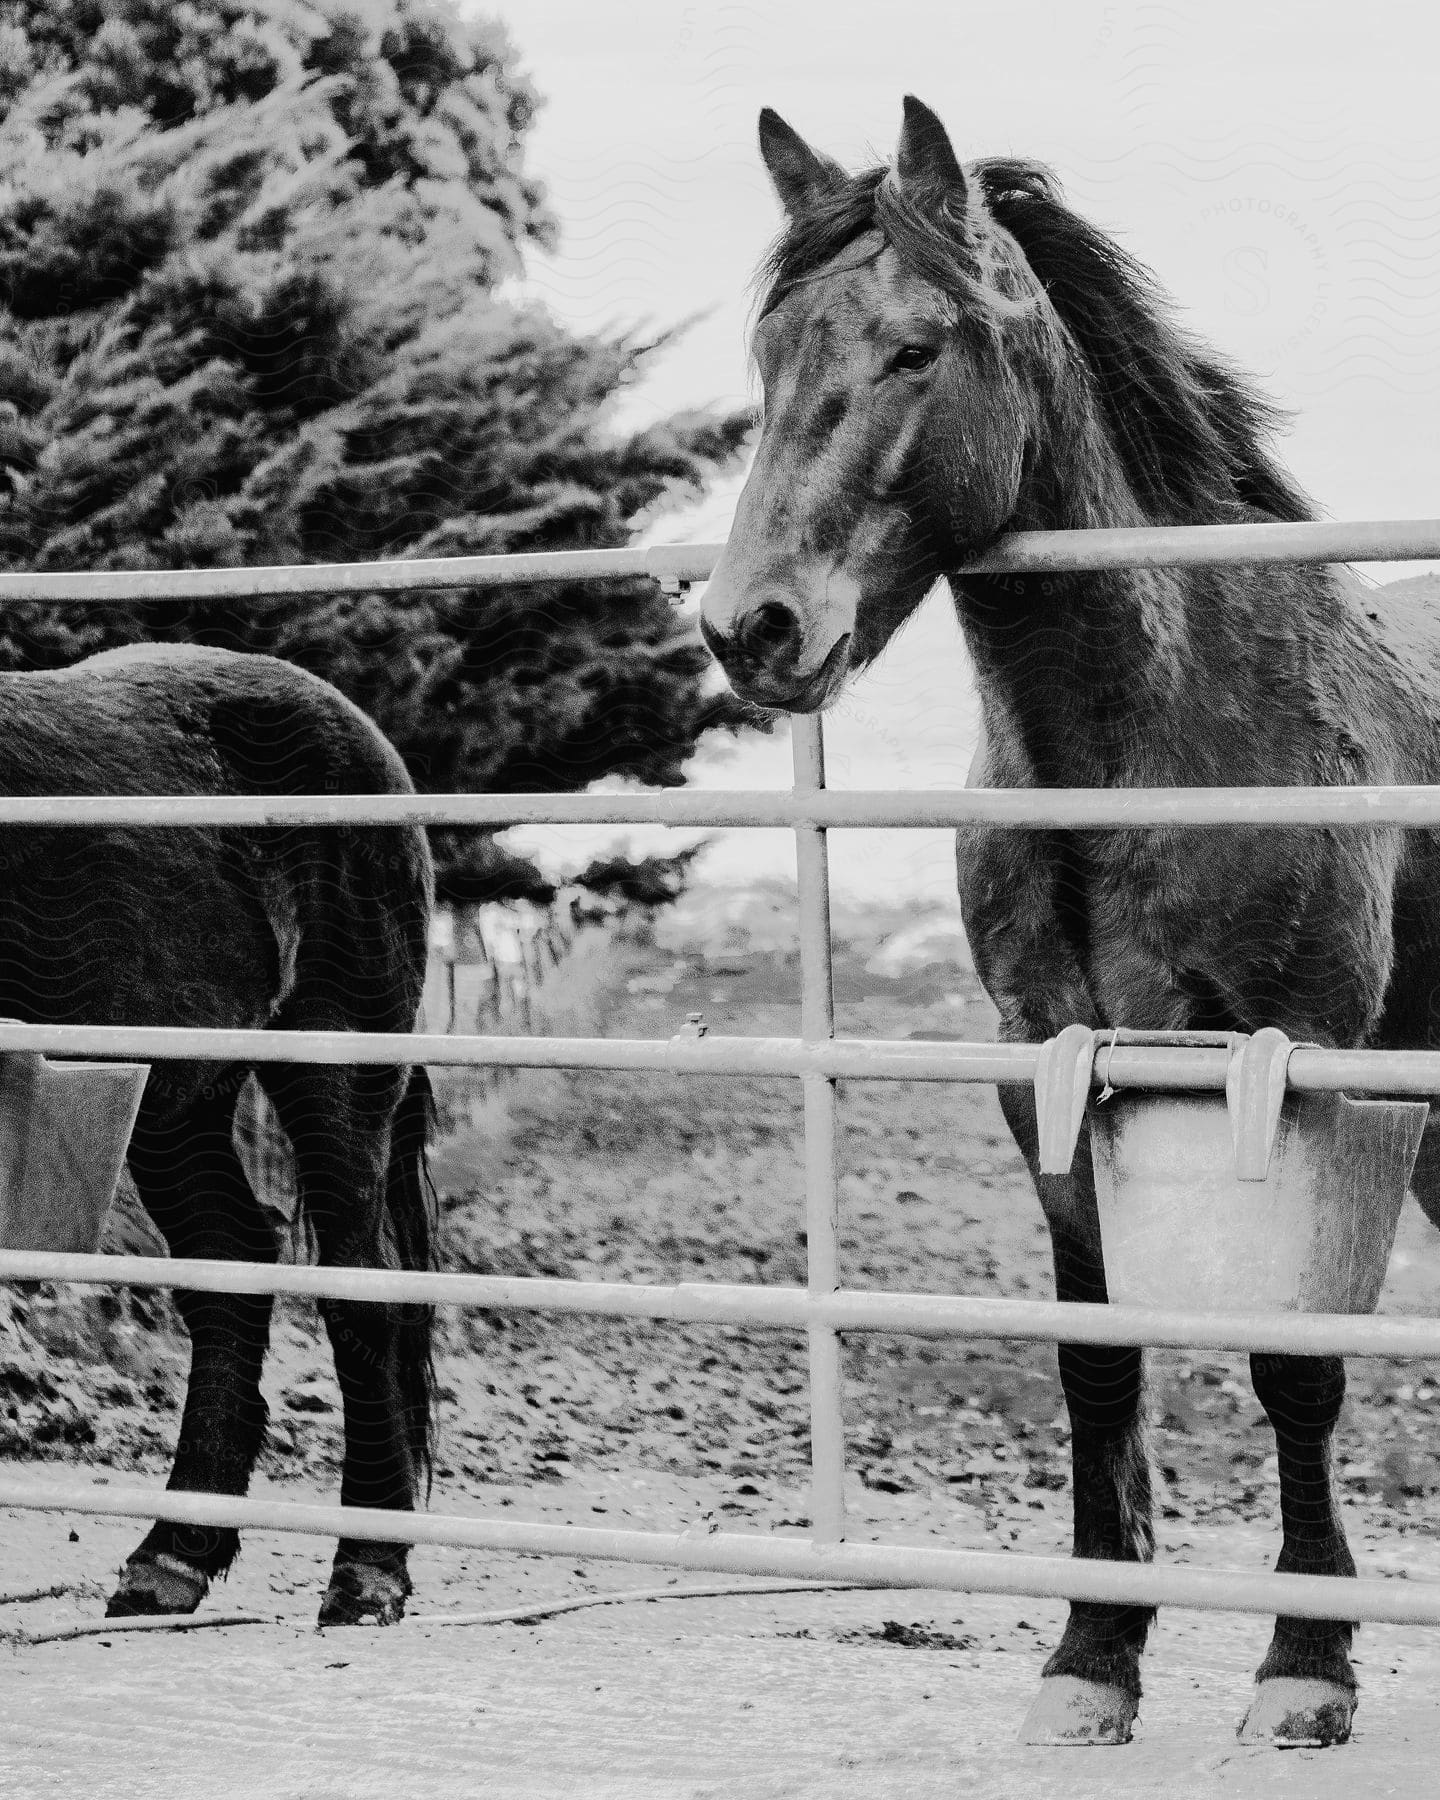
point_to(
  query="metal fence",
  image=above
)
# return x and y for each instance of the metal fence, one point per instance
(817, 1059)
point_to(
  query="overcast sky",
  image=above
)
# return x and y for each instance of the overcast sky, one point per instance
(1278, 166)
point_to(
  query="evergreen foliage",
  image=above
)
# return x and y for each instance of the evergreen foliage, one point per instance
(251, 254)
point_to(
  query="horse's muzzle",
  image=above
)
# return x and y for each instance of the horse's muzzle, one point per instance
(755, 679)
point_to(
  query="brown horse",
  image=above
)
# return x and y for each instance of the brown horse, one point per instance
(948, 354)
(296, 929)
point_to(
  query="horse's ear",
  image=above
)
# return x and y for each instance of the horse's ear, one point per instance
(926, 167)
(798, 173)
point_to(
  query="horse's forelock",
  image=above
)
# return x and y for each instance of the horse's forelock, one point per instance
(813, 238)
(933, 238)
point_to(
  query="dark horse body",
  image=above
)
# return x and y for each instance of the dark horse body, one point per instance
(950, 354)
(292, 928)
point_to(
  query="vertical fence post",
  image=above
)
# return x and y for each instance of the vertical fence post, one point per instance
(817, 1023)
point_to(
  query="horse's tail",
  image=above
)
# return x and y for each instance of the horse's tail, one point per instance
(412, 1204)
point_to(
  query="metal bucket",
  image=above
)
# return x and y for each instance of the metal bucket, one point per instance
(1255, 1200)
(64, 1131)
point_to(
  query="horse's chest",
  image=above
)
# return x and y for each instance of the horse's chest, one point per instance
(1165, 930)
(1087, 926)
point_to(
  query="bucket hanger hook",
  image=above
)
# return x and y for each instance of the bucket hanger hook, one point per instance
(1063, 1071)
(1254, 1093)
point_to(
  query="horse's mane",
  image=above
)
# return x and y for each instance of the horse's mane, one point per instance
(1190, 430)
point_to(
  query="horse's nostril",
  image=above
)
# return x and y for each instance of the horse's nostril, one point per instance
(768, 631)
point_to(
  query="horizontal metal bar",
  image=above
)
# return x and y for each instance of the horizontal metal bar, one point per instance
(662, 562)
(1181, 546)
(898, 1060)
(687, 1302)
(1394, 1602)
(1018, 809)
(772, 1307)
(1023, 552)
(1192, 1070)
(1066, 1322)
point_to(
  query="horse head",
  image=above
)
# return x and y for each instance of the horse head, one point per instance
(892, 348)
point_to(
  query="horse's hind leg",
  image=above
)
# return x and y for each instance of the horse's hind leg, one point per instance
(193, 1186)
(1305, 1691)
(339, 1120)
(1090, 1687)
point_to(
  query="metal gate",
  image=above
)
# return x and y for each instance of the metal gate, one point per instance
(822, 1309)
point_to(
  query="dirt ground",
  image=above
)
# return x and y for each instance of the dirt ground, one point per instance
(801, 1696)
(658, 1178)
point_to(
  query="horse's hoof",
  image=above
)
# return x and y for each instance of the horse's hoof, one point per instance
(157, 1584)
(1294, 1713)
(364, 1594)
(1070, 1710)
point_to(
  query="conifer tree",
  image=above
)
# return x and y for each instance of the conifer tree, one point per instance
(249, 260)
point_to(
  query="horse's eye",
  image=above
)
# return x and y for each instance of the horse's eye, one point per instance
(914, 357)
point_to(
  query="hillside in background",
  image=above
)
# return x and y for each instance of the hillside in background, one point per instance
(1414, 587)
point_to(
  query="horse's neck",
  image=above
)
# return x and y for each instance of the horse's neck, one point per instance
(1071, 673)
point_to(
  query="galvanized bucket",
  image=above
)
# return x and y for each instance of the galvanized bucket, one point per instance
(1257, 1200)
(64, 1131)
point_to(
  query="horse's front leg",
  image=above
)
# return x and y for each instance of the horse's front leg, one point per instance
(1090, 1687)
(1305, 1688)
